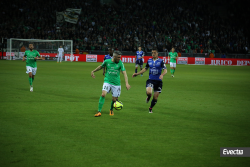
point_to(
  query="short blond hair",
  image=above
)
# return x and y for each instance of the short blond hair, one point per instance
(117, 53)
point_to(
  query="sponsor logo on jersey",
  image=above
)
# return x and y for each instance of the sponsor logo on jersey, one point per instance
(113, 72)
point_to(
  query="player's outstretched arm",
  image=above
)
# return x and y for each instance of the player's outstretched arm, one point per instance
(23, 58)
(126, 79)
(103, 73)
(38, 58)
(97, 69)
(141, 72)
(142, 56)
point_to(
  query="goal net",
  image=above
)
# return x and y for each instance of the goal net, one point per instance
(17, 47)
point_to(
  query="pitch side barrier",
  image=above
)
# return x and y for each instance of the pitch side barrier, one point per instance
(131, 59)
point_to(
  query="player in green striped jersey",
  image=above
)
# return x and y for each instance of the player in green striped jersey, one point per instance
(112, 80)
(32, 56)
(173, 57)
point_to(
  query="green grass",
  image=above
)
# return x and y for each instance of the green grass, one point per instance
(200, 110)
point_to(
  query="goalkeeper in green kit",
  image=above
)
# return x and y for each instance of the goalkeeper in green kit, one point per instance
(32, 56)
(112, 82)
(173, 57)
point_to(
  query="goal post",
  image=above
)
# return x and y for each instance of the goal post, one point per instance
(16, 46)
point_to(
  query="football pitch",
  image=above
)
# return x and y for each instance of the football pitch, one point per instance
(200, 110)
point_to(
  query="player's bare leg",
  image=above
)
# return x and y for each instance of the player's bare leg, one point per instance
(101, 102)
(149, 93)
(154, 101)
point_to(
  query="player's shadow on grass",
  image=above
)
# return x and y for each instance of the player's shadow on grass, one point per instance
(141, 108)
(24, 89)
(66, 95)
(48, 92)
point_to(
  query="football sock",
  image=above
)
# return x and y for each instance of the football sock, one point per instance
(30, 81)
(33, 80)
(101, 102)
(171, 70)
(136, 70)
(153, 102)
(149, 96)
(112, 105)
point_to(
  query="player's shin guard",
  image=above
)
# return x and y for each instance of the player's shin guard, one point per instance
(112, 105)
(153, 102)
(136, 70)
(30, 81)
(171, 70)
(101, 102)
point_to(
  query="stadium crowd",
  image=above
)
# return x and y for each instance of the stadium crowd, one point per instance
(190, 26)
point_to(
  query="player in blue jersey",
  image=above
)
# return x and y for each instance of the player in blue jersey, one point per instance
(155, 66)
(108, 56)
(139, 59)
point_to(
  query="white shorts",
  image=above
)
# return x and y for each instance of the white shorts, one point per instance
(31, 69)
(115, 90)
(172, 64)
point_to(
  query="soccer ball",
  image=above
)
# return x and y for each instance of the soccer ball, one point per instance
(118, 105)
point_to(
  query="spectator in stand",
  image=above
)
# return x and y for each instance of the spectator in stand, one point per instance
(179, 54)
(184, 27)
(223, 55)
(77, 51)
(211, 55)
(201, 51)
(23, 49)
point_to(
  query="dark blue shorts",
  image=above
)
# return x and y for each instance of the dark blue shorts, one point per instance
(140, 62)
(155, 84)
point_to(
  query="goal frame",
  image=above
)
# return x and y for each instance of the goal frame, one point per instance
(40, 40)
